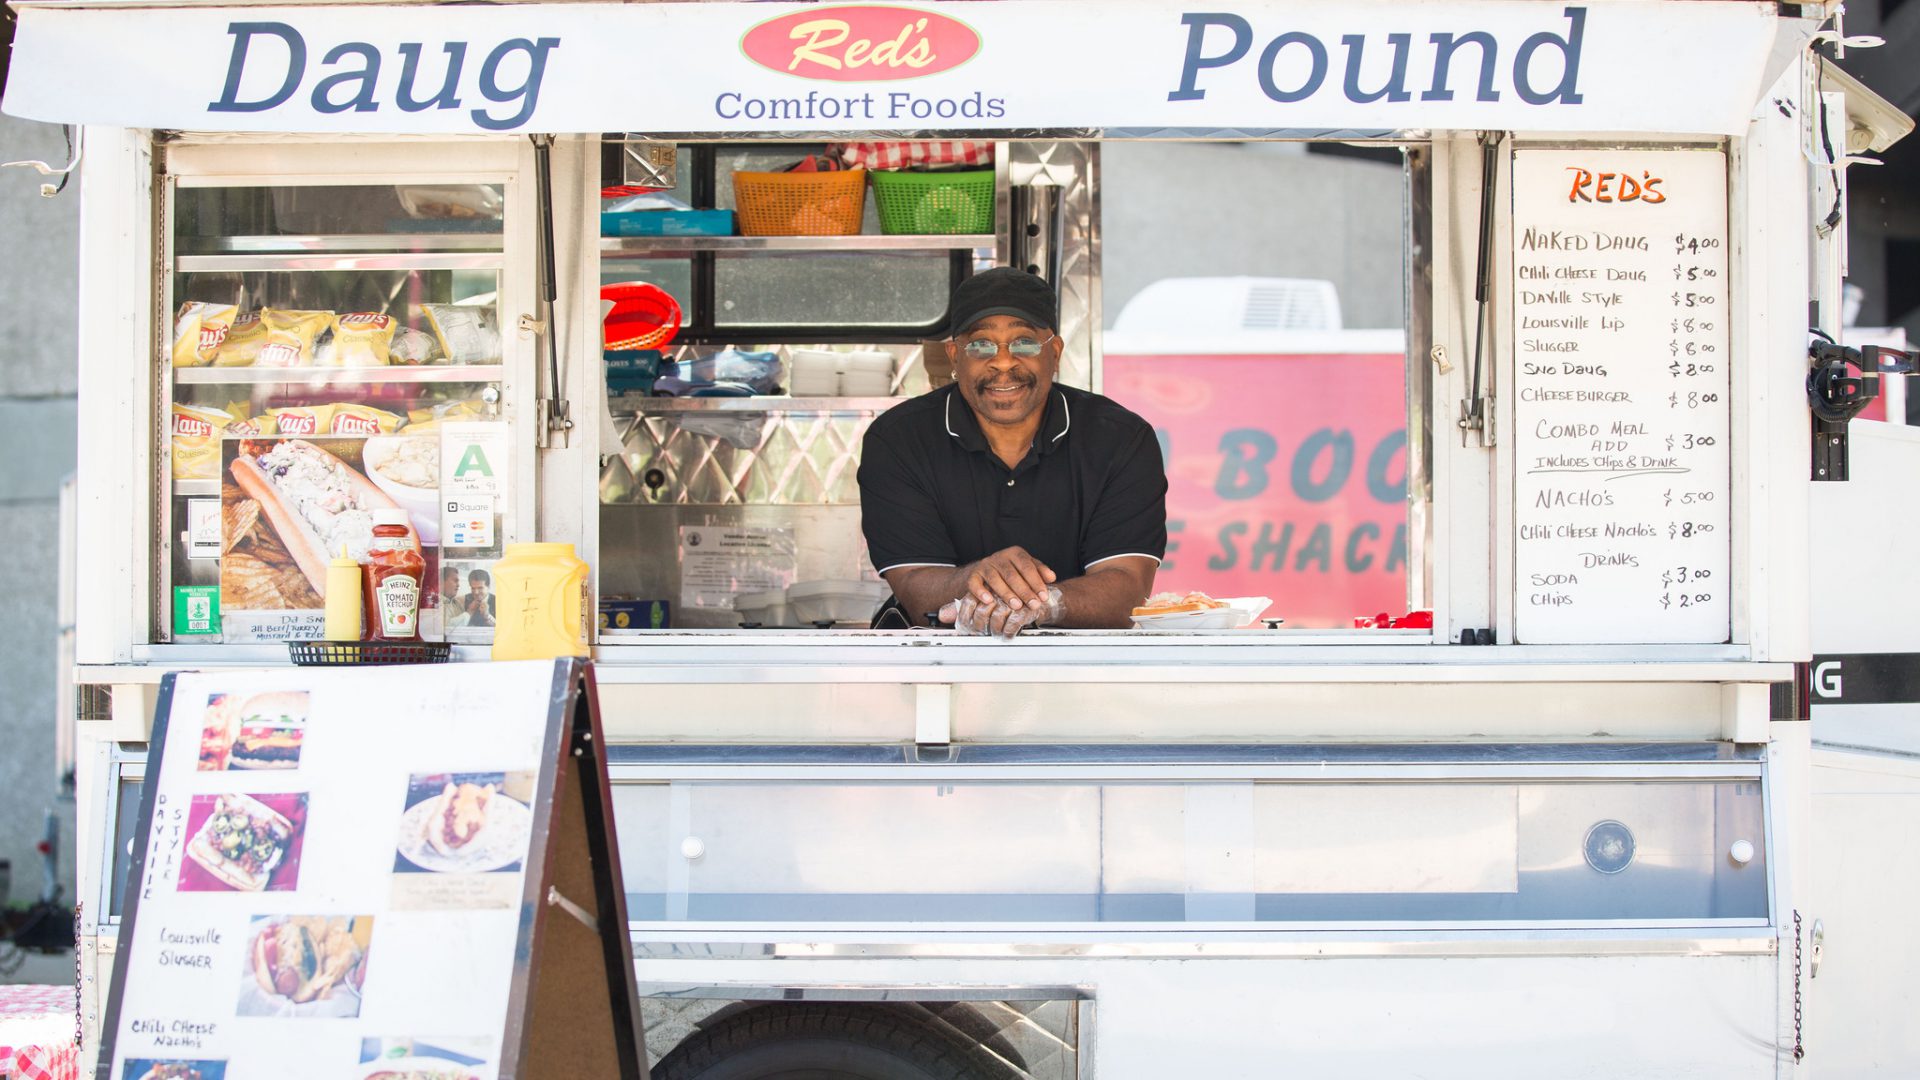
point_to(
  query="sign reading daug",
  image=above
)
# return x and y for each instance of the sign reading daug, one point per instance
(1367, 65)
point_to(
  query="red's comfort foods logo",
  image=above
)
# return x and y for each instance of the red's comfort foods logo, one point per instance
(861, 44)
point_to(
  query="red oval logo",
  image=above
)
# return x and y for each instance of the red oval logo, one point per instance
(861, 44)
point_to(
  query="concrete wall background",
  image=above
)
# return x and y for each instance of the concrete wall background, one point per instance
(38, 431)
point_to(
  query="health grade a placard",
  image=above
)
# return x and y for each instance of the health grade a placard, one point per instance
(473, 483)
(335, 860)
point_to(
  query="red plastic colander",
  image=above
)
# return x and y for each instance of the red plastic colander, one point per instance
(643, 316)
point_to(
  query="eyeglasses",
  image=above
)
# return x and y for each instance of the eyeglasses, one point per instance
(1020, 348)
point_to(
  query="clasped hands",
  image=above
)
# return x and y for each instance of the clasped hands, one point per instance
(1007, 592)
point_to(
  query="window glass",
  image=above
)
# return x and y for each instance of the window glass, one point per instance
(1254, 299)
(673, 275)
(1196, 852)
(126, 821)
(328, 347)
(233, 220)
(869, 289)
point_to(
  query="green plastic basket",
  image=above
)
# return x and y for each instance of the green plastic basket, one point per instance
(938, 203)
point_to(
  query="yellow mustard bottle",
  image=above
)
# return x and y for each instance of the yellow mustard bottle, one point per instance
(540, 593)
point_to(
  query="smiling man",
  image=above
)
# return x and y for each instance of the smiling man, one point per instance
(1005, 500)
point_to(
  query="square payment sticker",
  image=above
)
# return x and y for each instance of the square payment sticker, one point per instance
(466, 521)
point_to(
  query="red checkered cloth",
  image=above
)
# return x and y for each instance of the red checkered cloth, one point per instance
(37, 1033)
(914, 155)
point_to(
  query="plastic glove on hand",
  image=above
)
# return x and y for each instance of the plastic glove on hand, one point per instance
(970, 616)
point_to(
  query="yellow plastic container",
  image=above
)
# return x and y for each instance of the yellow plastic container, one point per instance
(541, 603)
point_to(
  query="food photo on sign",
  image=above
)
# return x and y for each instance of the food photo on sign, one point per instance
(253, 731)
(465, 823)
(172, 1069)
(425, 1059)
(244, 843)
(305, 965)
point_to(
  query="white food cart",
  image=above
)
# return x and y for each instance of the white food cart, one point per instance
(1561, 832)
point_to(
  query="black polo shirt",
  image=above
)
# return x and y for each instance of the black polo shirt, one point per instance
(932, 493)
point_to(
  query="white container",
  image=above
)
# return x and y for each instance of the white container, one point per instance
(826, 373)
(767, 608)
(814, 373)
(867, 363)
(867, 374)
(835, 601)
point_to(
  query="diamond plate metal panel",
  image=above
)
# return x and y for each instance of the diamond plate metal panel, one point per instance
(1072, 167)
(738, 459)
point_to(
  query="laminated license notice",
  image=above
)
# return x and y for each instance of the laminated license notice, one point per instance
(718, 563)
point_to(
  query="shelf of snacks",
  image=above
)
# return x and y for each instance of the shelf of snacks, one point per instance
(330, 346)
(663, 247)
(332, 376)
(212, 339)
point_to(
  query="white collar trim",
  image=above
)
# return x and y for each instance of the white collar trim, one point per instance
(1065, 412)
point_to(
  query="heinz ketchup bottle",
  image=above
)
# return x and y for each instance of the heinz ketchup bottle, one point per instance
(391, 580)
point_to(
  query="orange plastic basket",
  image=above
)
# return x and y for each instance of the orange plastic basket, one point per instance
(800, 204)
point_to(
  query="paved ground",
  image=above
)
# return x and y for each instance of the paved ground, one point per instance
(40, 968)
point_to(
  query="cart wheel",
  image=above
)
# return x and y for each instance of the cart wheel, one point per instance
(825, 1041)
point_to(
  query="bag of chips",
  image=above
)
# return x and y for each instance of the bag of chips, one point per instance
(351, 419)
(410, 346)
(242, 344)
(248, 427)
(198, 331)
(361, 339)
(291, 336)
(466, 332)
(196, 441)
(303, 419)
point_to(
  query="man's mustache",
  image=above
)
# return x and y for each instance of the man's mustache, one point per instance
(1019, 377)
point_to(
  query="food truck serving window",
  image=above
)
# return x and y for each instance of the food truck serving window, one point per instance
(330, 346)
(1256, 313)
(1249, 300)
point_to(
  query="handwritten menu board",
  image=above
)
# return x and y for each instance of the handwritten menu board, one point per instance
(1621, 412)
(343, 875)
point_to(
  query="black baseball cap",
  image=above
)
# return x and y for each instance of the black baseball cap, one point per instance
(1003, 290)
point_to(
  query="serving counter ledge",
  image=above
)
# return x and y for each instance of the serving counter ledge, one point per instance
(758, 656)
(854, 687)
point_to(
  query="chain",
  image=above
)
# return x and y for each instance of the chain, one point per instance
(1799, 1048)
(79, 969)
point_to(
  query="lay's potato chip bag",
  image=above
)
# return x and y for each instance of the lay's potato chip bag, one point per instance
(242, 344)
(196, 441)
(291, 336)
(302, 419)
(361, 338)
(351, 419)
(252, 426)
(198, 331)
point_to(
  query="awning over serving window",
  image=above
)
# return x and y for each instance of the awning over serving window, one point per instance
(1121, 65)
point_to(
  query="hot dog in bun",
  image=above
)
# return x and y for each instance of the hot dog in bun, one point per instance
(316, 503)
(460, 817)
(302, 958)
